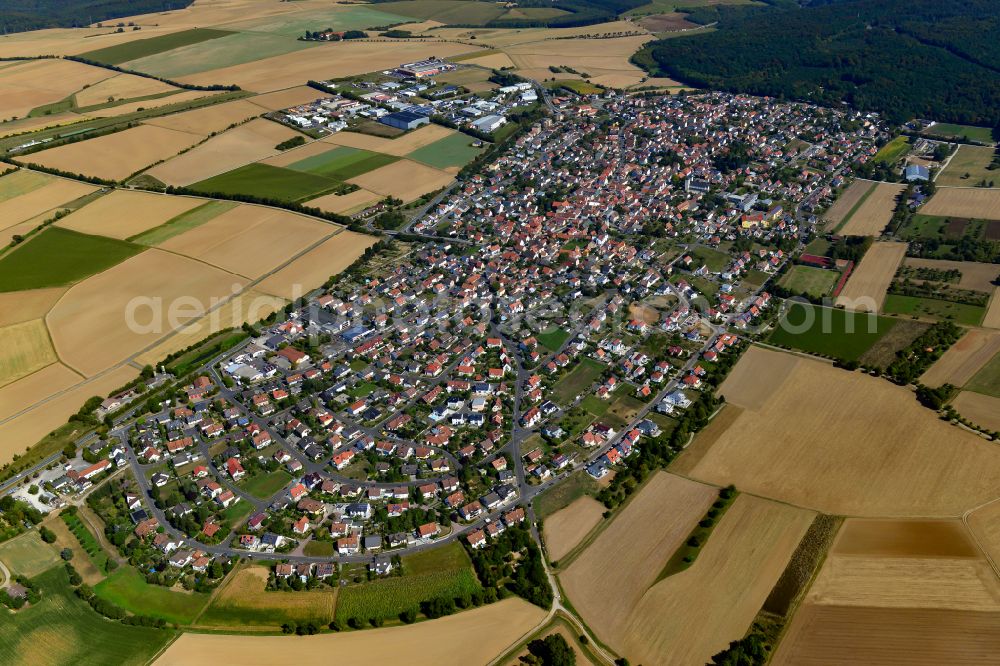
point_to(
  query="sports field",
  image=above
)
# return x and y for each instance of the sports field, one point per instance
(844, 443)
(829, 331)
(816, 282)
(58, 257)
(968, 168)
(865, 289)
(444, 641)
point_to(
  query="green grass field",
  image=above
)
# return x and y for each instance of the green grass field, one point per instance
(829, 331)
(63, 629)
(265, 485)
(969, 167)
(892, 151)
(960, 313)
(128, 589)
(595, 405)
(264, 180)
(578, 379)
(666, 6)
(357, 17)
(578, 86)
(986, 381)
(980, 134)
(715, 261)
(318, 549)
(452, 151)
(465, 12)
(20, 182)
(28, 555)
(343, 163)
(234, 49)
(552, 338)
(141, 48)
(439, 572)
(183, 222)
(816, 282)
(564, 493)
(57, 257)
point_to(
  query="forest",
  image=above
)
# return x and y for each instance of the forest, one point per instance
(22, 15)
(902, 58)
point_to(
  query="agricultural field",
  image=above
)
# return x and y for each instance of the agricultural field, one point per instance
(892, 151)
(444, 641)
(37, 84)
(114, 214)
(992, 317)
(865, 289)
(128, 588)
(933, 308)
(345, 204)
(975, 276)
(982, 410)
(873, 212)
(234, 148)
(116, 156)
(400, 146)
(566, 528)
(849, 201)
(688, 617)
(263, 180)
(987, 378)
(208, 119)
(283, 99)
(142, 48)
(244, 602)
(816, 282)
(450, 152)
(24, 348)
(28, 198)
(969, 167)
(608, 65)
(316, 266)
(974, 203)
(63, 629)
(563, 494)
(405, 179)
(829, 331)
(27, 555)
(446, 11)
(57, 257)
(608, 580)
(964, 359)
(905, 588)
(185, 221)
(342, 163)
(892, 457)
(968, 132)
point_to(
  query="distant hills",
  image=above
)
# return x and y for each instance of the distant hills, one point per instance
(903, 58)
(22, 15)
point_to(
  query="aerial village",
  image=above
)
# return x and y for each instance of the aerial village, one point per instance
(431, 391)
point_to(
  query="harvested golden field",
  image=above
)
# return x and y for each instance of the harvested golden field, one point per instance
(26, 391)
(209, 119)
(20, 182)
(865, 289)
(963, 359)
(968, 166)
(247, 307)
(161, 291)
(822, 635)
(283, 99)
(345, 204)
(404, 179)
(233, 148)
(40, 414)
(690, 616)
(706, 439)
(121, 86)
(293, 155)
(975, 276)
(32, 83)
(983, 410)
(444, 641)
(132, 107)
(327, 61)
(115, 214)
(251, 240)
(316, 266)
(567, 527)
(41, 201)
(609, 578)
(907, 583)
(846, 443)
(992, 317)
(494, 61)
(754, 390)
(605, 61)
(116, 156)
(24, 348)
(965, 202)
(984, 525)
(19, 306)
(403, 145)
(874, 214)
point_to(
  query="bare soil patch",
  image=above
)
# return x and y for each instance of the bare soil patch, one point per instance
(904, 538)
(849, 444)
(566, 528)
(865, 289)
(964, 359)
(443, 641)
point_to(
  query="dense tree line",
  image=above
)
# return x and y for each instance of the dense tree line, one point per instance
(903, 58)
(511, 563)
(22, 15)
(914, 359)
